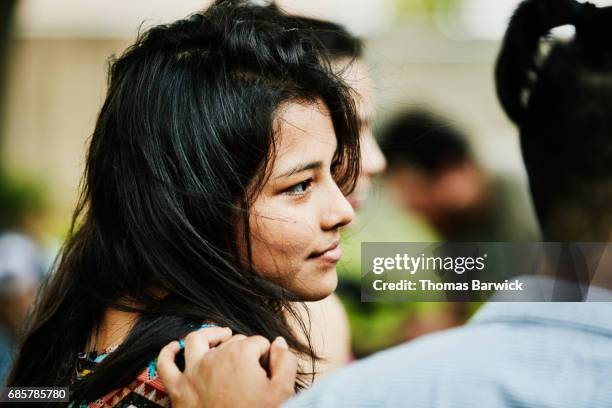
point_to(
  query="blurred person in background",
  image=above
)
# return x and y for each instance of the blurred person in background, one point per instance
(331, 332)
(346, 54)
(525, 354)
(435, 175)
(20, 275)
(22, 261)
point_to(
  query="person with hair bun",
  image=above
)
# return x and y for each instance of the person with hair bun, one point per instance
(214, 191)
(561, 103)
(554, 355)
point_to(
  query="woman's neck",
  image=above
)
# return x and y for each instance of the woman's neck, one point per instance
(113, 330)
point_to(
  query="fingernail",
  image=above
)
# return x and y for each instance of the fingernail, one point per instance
(281, 342)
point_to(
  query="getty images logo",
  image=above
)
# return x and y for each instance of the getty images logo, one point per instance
(440, 264)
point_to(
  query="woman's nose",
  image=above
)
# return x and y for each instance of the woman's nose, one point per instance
(338, 211)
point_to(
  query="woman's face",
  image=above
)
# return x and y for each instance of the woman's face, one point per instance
(295, 220)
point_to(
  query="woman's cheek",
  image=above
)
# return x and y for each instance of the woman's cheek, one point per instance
(298, 230)
(285, 229)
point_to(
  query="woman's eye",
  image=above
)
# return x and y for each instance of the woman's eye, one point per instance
(299, 188)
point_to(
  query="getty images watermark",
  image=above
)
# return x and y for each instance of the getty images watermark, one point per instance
(485, 271)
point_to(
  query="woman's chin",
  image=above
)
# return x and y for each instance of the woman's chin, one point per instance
(319, 289)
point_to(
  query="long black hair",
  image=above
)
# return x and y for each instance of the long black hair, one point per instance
(335, 38)
(185, 132)
(559, 93)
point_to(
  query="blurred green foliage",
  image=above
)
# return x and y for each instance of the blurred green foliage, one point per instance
(19, 199)
(428, 6)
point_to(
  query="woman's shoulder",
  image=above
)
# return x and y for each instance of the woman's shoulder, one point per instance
(146, 391)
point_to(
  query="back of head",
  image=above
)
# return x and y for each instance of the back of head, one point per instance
(559, 94)
(423, 141)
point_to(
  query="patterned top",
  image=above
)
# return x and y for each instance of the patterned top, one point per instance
(146, 391)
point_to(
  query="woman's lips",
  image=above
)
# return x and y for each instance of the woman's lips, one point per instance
(332, 254)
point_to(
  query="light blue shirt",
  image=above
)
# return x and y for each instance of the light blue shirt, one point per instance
(524, 355)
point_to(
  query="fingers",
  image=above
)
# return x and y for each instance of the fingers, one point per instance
(256, 346)
(197, 343)
(168, 372)
(233, 340)
(283, 365)
(235, 337)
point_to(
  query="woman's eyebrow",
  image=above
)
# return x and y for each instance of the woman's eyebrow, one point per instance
(300, 168)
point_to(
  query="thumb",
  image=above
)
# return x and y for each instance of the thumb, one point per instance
(169, 373)
(283, 363)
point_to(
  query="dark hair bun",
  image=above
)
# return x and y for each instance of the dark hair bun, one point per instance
(531, 20)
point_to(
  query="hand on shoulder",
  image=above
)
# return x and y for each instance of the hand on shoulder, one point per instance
(222, 370)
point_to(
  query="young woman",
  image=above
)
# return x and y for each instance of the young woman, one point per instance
(214, 191)
(561, 102)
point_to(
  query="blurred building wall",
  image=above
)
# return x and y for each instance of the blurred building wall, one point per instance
(55, 89)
